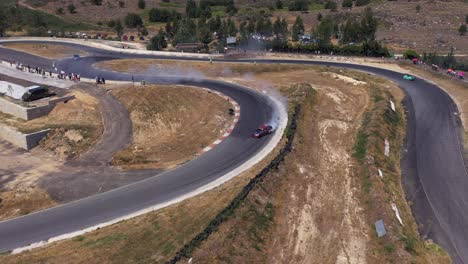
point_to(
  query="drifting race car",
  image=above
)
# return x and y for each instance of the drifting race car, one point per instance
(262, 131)
(409, 77)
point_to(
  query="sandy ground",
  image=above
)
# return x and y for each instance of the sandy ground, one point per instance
(49, 51)
(193, 68)
(321, 218)
(171, 124)
(19, 173)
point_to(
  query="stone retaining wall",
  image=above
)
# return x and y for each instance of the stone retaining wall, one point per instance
(25, 141)
(28, 113)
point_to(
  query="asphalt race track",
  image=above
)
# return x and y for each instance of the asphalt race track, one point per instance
(434, 171)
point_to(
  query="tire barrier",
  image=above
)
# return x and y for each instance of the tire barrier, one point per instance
(225, 214)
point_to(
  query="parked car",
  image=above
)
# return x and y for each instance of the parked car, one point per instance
(35, 93)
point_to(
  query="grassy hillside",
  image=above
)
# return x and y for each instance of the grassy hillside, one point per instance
(33, 22)
(422, 25)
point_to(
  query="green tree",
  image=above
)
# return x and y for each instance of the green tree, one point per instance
(204, 9)
(351, 31)
(297, 28)
(191, 9)
(267, 28)
(362, 2)
(162, 15)
(369, 24)
(118, 28)
(418, 8)
(231, 29)
(96, 2)
(251, 27)
(279, 4)
(214, 24)
(298, 5)
(158, 42)
(347, 3)
(71, 8)
(243, 30)
(450, 61)
(284, 28)
(462, 30)
(280, 28)
(277, 27)
(133, 20)
(259, 25)
(324, 30)
(3, 23)
(411, 54)
(111, 23)
(141, 4)
(466, 19)
(331, 5)
(186, 32)
(144, 32)
(319, 16)
(169, 31)
(231, 8)
(204, 34)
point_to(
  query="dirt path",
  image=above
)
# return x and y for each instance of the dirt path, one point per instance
(92, 173)
(117, 132)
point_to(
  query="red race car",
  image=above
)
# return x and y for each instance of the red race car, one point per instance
(262, 131)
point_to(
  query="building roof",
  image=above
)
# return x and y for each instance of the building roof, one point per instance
(231, 40)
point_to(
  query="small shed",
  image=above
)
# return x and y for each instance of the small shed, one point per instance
(231, 41)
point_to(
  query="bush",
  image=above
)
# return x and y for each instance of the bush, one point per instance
(158, 42)
(462, 30)
(141, 4)
(331, 5)
(96, 2)
(37, 32)
(133, 20)
(362, 2)
(72, 9)
(162, 15)
(411, 54)
(298, 5)
(111, 23)
(279, 5)
(347, 3)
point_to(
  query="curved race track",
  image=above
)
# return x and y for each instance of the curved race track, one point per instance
(434, 170)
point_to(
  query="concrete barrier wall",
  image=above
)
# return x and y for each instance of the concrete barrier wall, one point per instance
(13, 109)
(25, 141)
(33, 139)
(32, 112)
